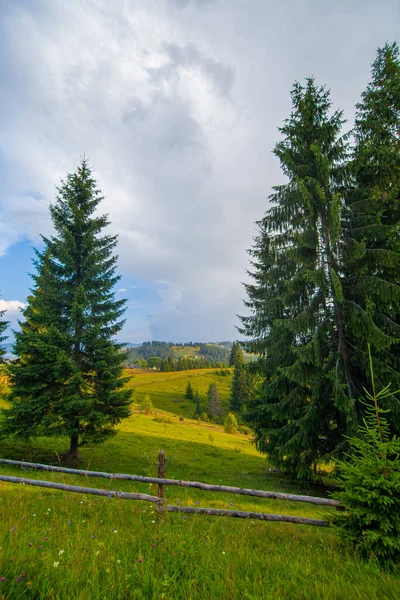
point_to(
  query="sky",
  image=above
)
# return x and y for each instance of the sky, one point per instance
(177, 105)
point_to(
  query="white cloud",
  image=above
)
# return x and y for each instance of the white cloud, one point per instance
(176, 103)
(12, 307)
(121, 290)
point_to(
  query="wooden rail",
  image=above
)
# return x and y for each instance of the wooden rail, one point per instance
(159, 500)
(187, 484)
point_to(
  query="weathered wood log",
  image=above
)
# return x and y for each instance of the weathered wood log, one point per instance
(79, 489)
(188, 484)
(240, 514)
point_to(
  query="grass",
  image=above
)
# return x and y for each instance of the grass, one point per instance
(167, 390)
(71, 546)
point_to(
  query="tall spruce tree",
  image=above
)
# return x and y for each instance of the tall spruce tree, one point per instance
(238, 395)
(371, 284)
(296, 323)
(3, 327)
(69, 379)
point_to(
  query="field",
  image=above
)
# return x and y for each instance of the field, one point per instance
(71, 546)
(167, 390)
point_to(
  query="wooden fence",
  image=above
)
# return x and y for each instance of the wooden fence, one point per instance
(162, 482)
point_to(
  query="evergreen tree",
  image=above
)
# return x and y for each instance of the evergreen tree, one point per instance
(371, 284)
(189, 394)
(214, 403)
(296, 323)
(234, 352)
(3, 327)
(68, 382)
(197, 402)
(238, 387)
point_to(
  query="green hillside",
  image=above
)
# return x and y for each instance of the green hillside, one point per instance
(167, 390)
(70, 546)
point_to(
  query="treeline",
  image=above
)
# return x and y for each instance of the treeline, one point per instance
(326, 275)
(161, 355)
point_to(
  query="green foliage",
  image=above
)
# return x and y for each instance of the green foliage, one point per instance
(239, 388)
(302, 408)
(189, 393)
(197, 402)
(230, 424)
(235, 350)
(146, 404)
(371, 233)
(154, 361)
(3, 327)
(370, 486)
(69, 378)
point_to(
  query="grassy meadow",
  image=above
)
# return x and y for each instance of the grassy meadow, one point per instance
(71, 546)
(167, 390)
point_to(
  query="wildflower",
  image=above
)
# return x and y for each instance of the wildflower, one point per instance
(118, 562)
(84, 521)
(45, 539)
(34, 515)
(40, 547)
(55, 564)
(30, 544)
(223, 552)
(115, 531)
(69, 522)
(94, 536)
(13, 528)
(20, 578)
(153, 521)
(2, 578)
(25, 559)
(140, 560)
(11, 560)
(97, 552)
(61, 552)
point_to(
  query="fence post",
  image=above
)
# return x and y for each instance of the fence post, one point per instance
(161, 475)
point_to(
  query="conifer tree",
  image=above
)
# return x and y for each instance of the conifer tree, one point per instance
(197, 402)
(189, 391)
(234, 352)
(68, 382)
(296, 323)
(371, 284)
(238, 388)
(3, 327)
(214, 403)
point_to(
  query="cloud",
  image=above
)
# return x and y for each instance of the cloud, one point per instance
(12, 307)
(176, 103)
(121, 290)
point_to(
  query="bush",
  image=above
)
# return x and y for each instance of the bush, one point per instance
(230, 425)
(244, 430)
(370, 487)
(146, 405)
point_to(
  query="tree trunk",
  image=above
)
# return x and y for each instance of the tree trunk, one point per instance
(73, 454)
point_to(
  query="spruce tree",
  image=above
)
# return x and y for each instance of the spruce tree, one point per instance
(296, 325)
(189, 391)
(3, 327)
(238, 388)
(371, 284)
(69, 380)
(214, 403)
(234, 352)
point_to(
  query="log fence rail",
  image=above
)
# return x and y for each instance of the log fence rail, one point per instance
(161, 482)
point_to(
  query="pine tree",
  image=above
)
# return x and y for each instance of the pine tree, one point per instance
(68, 382)
(238, 388)
(371, 284)
(197, 402)
(296, 323)
(189, 394)
(3, 327)
(234, 352)
(214, 403)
